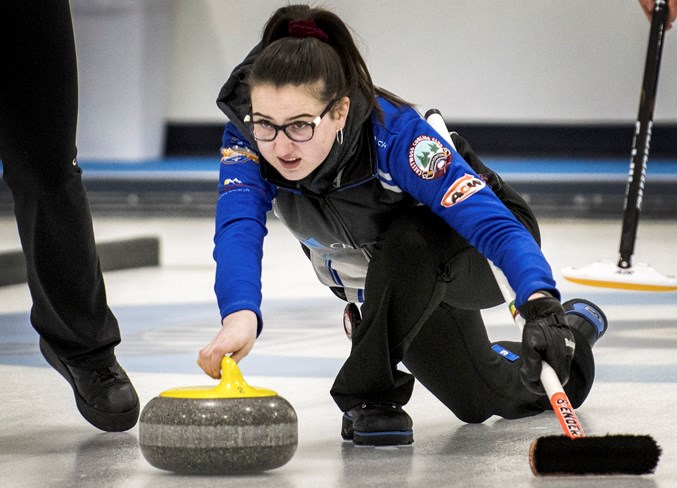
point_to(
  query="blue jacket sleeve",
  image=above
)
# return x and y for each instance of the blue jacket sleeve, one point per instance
(420, 162)
(243, 201)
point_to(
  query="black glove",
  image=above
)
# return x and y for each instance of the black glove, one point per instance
(546, 337)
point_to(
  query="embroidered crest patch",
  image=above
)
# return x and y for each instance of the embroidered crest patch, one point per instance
(462, 188)
(428, 157)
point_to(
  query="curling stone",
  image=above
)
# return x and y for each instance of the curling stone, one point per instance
(227, 429)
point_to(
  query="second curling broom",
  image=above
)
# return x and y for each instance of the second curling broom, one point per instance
(624, 275)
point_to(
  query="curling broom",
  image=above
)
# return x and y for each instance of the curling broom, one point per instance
(623, 275)
(573, 453)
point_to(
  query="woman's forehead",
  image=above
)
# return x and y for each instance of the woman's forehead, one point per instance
(285, 99)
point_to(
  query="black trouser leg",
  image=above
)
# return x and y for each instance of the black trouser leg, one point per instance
(424, 290)
(38, 117)
(401, 292)
(404, 286)
(452, 357)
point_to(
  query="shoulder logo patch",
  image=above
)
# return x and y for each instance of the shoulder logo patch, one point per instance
(428, 157)
(237, 154)
(464, 187)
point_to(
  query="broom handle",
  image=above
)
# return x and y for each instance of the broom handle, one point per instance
(558, 399)
(642, 139)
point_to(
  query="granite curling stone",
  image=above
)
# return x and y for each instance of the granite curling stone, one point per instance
(228, 429)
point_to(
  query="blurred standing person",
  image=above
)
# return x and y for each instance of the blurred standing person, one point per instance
(38, 121)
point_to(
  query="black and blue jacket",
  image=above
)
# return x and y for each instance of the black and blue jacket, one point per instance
(399, 161)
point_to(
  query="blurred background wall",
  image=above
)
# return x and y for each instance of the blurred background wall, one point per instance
(151, 69)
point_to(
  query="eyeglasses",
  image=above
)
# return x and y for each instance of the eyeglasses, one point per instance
(298, 131)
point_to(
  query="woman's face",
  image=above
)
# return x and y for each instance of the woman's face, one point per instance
(289, 104)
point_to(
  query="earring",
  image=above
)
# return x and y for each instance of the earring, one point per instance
(339, 136)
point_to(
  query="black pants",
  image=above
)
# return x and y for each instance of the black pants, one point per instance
(38, 117)
(424, 291)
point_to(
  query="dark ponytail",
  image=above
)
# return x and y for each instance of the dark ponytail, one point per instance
(329, 55)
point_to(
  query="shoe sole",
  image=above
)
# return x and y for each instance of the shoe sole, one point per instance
(107, 421)
(590, 312)
(385, 438)
(396, 438)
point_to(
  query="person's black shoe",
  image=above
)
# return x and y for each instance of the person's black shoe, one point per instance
(105, 397)
(377, 424)
(587, 318)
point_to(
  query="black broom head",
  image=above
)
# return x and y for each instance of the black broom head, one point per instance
(611, 454)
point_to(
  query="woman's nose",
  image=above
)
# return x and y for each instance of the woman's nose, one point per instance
(283, 143)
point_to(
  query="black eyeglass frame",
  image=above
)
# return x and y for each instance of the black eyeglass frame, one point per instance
(313, 124)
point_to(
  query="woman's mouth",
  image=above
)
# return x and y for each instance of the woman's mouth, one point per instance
(289, 163)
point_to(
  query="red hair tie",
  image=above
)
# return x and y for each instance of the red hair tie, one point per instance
(306, 28)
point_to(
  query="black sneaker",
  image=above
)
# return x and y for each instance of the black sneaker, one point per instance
(377, 424)
(587, 318)
(105, 397)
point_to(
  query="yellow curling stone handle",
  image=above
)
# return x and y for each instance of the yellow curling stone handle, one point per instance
(232, 385)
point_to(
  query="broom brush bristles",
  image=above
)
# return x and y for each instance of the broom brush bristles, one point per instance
(611, 454)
